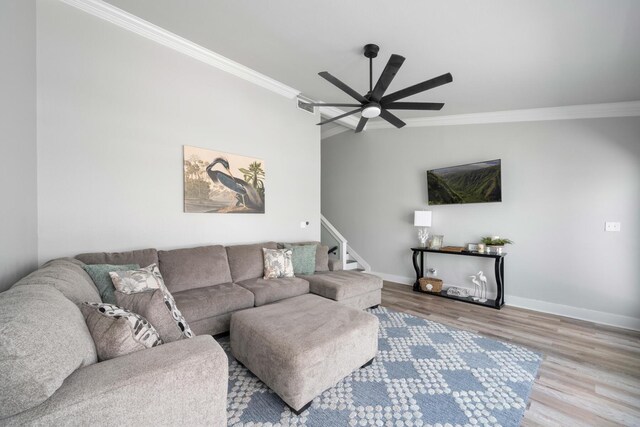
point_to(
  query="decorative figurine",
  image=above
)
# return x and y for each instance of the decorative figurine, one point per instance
(477, 293)
(483, 286)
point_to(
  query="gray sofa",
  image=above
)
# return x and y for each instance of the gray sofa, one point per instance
(50, 374)
(209, 283)
(48, 360)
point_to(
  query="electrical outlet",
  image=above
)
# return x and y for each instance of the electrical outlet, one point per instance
(611, 226)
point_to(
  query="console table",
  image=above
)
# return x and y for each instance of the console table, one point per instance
(499, 272)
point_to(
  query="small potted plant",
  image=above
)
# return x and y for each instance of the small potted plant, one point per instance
(495, 244)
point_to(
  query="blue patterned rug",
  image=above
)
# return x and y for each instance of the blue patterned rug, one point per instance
(425, 374)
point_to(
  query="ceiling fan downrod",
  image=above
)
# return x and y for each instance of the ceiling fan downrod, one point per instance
(371, 51)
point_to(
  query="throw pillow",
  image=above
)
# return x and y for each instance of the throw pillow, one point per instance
(277, 263)
(99, 273)
(304, 258)
(116, 331)
(143, 291)
(160, 311)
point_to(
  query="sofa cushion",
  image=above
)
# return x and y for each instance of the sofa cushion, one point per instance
(338, 285)
(100, 275)
(322, 258)
(43, 340)
(142, 257)
(190, 268)
(271, 290)
(117, 331)
(67, 276)
(143, 291)
(246, 261)
(202, 303)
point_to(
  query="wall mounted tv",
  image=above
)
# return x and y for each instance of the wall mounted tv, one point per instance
(471, 183)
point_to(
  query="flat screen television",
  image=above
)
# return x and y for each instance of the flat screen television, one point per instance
(471, 183)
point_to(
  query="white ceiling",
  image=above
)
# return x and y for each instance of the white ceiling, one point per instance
(503, 55)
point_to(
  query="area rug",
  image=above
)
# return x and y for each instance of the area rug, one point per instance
(425, 374)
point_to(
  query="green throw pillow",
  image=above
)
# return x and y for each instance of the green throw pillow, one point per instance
(100, 275)
(304, 258)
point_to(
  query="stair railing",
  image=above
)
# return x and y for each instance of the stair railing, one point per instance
(339, 238)
(343, 246)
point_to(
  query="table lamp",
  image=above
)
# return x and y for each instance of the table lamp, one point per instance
(422, 219)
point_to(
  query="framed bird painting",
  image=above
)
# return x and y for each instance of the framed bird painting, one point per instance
(217, 182)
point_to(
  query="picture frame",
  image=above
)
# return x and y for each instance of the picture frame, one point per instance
(220, 182)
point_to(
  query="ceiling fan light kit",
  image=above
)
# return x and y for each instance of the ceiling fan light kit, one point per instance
(371, 110)
(374, 103)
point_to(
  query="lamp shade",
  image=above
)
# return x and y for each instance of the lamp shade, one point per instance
(422, 218)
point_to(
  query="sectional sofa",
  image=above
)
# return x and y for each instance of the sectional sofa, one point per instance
(209, 283)
(48, 360)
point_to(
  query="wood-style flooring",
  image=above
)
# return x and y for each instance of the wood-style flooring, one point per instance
(590, 375)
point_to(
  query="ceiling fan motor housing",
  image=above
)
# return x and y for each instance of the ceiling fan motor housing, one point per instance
(371, 50)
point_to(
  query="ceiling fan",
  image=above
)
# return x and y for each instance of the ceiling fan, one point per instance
(374, 103)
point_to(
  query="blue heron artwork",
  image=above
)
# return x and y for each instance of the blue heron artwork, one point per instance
(217, 182)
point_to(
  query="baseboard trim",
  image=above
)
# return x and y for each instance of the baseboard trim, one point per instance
(594, 316)
(601, 317)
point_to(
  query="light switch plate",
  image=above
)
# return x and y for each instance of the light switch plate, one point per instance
(611, 226)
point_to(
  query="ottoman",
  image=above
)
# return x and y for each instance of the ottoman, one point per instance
(304, 345)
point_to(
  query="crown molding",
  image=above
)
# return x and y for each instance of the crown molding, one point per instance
(119, 17)
(333, 132)
(571, 112)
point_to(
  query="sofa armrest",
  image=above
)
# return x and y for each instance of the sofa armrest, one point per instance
(335, 264)
(180, 383)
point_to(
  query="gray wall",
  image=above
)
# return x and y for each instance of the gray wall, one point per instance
(561, 180)
(115, 110)
(18, 169)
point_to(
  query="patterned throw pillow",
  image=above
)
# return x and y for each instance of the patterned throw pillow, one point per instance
(143, 291)
(304, 258)
(99, 273)
(116, 331)
(277, 263)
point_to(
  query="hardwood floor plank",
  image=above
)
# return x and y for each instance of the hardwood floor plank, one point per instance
(590, 375)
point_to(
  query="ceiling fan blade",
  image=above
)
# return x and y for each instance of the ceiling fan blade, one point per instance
(413, 105)
(363, 121)
(420, 87)
(346, 89)
(340, 116)
(391, 119)
(322, 104)
(389, 72)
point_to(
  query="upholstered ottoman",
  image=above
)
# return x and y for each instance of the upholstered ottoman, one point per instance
(301, 346)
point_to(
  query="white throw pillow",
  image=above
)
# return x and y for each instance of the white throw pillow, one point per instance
(277, 263)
